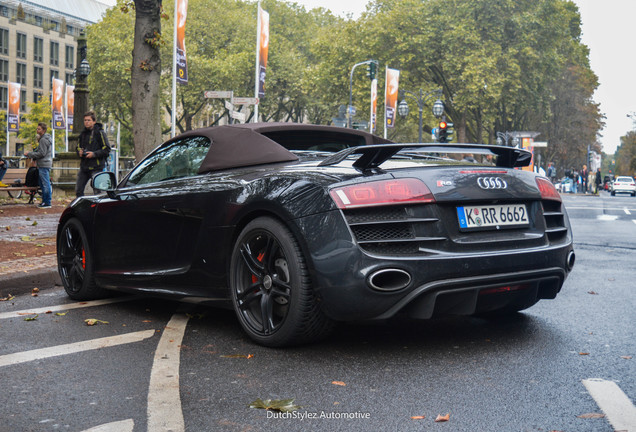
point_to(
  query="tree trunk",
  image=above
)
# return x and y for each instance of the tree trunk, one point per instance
(146, 73)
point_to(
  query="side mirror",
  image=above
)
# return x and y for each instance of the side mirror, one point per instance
(104, 181)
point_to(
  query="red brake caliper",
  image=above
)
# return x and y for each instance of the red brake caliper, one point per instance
(83, 259)
(260, 259)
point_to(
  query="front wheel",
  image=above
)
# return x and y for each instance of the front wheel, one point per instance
(75, 263)
(270, 287)
(15, 194)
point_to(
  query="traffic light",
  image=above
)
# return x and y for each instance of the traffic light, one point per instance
(372, 68)
(442, 132)
(449, 132)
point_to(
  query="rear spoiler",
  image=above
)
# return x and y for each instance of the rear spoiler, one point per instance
(372, 156)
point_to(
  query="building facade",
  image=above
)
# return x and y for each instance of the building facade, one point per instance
(38, 42)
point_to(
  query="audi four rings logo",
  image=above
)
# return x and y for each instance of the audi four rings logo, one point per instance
(491, 183)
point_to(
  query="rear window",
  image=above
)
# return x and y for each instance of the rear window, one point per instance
(624, 179)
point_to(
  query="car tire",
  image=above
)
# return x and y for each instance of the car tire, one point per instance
(270, 287)
(75, 263)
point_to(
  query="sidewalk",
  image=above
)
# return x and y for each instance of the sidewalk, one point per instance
(27, 246)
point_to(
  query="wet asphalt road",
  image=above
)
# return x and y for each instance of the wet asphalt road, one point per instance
(517, 374)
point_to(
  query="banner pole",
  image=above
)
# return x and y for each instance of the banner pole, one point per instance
(8, 91)
(66, 118)
(174, 72)
(386, 71)
(258, 46)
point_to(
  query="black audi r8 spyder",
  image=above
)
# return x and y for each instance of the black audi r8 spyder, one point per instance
(297, 227)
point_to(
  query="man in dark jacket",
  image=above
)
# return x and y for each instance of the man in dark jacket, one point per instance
(93, 149)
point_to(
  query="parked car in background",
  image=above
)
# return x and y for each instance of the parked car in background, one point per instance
(624, 184)
(297, 227)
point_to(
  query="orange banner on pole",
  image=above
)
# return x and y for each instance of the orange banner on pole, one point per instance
(263, 50)
(391, 96)
(13, 114)
(57, 104)
(182, 64)
(70, 106)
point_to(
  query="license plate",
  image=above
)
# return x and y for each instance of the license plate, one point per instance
(492, 216)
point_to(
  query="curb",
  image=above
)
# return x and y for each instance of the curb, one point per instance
(21, 283)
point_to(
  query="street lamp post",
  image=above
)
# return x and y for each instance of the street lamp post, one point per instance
(504, 138)
(421, 99)
(81, 85)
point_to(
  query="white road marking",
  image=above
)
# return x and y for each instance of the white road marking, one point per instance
(634, 220)
(164, 400)
(607, 217)
(618, 409)
(120, 426)
(43, 310)
(627, 211)
(27, 356)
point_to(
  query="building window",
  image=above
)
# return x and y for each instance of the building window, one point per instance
(55, 53)
(36, 97)
(4, 70)
(4, 96)
(23, 101)
(21, 45)
(38, 76)
(54, 74)
(21, 75)
(38, 49)
(69, 78)
(70, 57)
(4, 41)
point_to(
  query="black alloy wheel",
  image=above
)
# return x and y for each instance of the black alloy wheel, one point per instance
(75, 263)
(270, 287)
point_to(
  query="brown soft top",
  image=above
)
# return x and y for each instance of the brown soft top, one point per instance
(246, 144)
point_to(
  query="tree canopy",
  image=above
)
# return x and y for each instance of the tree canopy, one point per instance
(503, 65)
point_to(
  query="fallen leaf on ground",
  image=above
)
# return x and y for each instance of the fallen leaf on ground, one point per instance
(591, 415)
(7, 298)
(418, 417)
(282, 405)
(8, 228)
(440, 418)
(39, 245)
(26, 239)
(28, 219)
(35, 290)
(33, 318)
(93, 321)
(34, 223)
(592, 292)
(340, 383)
(248, 356)
(60, 313)
(626, 357)
(584, 353)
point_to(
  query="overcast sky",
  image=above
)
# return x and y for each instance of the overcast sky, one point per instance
(608, 31)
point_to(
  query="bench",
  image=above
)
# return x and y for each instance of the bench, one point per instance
(10, 178)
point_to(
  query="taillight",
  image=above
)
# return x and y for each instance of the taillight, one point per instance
(385, 192)
(547, 189)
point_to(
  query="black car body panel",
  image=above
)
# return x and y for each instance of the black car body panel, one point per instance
(176, 236)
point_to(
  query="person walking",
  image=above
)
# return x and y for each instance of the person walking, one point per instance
(584, 179)
(93, 150)
(43, 155)
(598, 180)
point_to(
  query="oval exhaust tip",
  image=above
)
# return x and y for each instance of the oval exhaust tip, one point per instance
(570, 260)
(389, 279)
